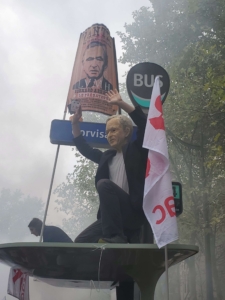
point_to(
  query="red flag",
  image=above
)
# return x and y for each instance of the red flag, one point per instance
(158, 201)
(18, 284)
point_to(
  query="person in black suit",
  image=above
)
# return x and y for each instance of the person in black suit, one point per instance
(95, 61)
(50, 233)
(120, 176)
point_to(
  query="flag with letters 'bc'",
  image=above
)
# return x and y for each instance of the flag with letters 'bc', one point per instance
(18, 284)
(158, 203)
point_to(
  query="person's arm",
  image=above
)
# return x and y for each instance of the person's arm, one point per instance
(75, 122)
(115, 98)
(83, 147)
(140, 119)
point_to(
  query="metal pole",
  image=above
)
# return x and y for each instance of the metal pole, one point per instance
(49, 193)
(167, 275)
(51, 183)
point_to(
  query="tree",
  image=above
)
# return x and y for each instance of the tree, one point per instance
(187, 38)
(16, 212)
(199, 107)
(77, 197)
(160, 32)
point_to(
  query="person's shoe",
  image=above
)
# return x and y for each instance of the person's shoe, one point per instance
(113, 240)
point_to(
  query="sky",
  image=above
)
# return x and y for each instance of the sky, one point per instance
(38, 42)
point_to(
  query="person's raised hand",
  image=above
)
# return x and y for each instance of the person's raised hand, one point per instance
(114, 97)
(75, 118)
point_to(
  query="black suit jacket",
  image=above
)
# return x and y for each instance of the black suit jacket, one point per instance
(55, 234)
(106, 85)
(135, 158)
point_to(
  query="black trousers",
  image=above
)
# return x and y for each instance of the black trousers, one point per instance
(118, 217)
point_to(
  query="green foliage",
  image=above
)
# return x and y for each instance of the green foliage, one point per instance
(187, 38)
(160, 32)
(77, 197)
(17, 211)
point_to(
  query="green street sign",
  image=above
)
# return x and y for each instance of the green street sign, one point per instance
(177, 194)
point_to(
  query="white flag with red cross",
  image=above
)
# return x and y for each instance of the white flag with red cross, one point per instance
(18, 284)
(158, 203)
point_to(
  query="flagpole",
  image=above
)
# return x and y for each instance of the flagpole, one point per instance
(167, 275)
(51, 183)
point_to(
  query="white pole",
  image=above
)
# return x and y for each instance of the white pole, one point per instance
(167, 275)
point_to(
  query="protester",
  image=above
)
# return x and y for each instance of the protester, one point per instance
(50, 233)
(120, 176)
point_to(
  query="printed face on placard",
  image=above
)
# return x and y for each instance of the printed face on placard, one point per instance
(93, 62)
(94, 71)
